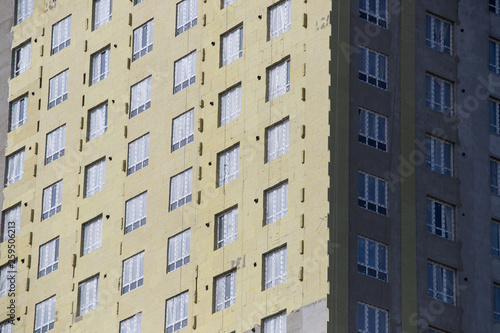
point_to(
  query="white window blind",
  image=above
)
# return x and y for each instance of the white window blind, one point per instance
(280, 18)
(181, 187)
(11, 222)
(183, 130)
(275, 268)
(372, 129)
(372, 193)
(227, 227)
(230, 105)
(229, 165)
(92, 235)
(439, 94)
(15, 167)
(276, 203)
(18, 112)
(55, 144)
(135, 212)
(87, 295)
(373, 67)
(44, 315)
(58, 89)
(278, 79)
(98, 121)
(143, 40)
(100, 65)
(225, 291)
(275, 324)
(187, 15)
(438, 34)
(24, 9)
(140, 97)
(48, 259)
(372, 319)
(226, 3)
(94, 177)
(138, 154)
(232, 46)
(374, 11)
(52, 198)
(185, 72)
(131, 324)
(102, 12)
(441, 283)
(176, 312)
(61, 34)
(277, 137)
(22, 58)
(8, 277)
(440, 219)
(372, 258)
(178, 250)
(439, 156)
(6, 327)
(133, 273)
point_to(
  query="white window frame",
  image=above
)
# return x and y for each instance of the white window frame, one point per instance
(187, 15)
(176, 312)
(275, 263)
(372, 201)
(280, 18)
(495, 176)
(91, 235)
(379, 316)
(95, 174)
(226, 230)
(495, 238)
(61, 35)
(440, 289)
(226, 3)
(182, 130)
(445, 225)
(372, 129)
(138, 154)
(100, 65)
(140, 97)
(225, 290)
(372, 258)
(228, 165)
(277, 140)
(52, 200)
(230, 104)
(143, 40)
(436, 34)
(278, 79)
(14, 167)
(275, 323)
(181, 189)
(179, 250)
(24, 10)
(185, 72)
(373, 67)
(436, 91)
(98, 121)
(48, 257)
(131, 324)
(21, 58)
(276, 203)
(58, 89)
(18, 112)
(9, 216)
(133, 273)
(135, 212)
(494, 6)
(6, 326)
(103, 10)
(436, 156)
(7, 271)
(55, 144)
(231, 45)
(374, 11)
(44, 322)
(88, 295)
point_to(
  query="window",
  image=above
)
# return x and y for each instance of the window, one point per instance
(52, 198)
(372, 129)
(8, 276)
(230, 105)
(276, 203)
(232, 46)
(22, 55)
(275, 324)
(15, 167)
(373, 67)
(94, 177)
(372, 319)
(494, 117)
(135, 212)
(372, 193)
(98, 121)
(495, 6)
(374, 11)
(496, 302)
(439, 94)
(226, 228)
(187, 13)
(495, 238)
(372, 258)
(100, 65)
(178, 250)
(102, 12)
(229, 165)
(133, 272)
(48, 260)
(61, 34)
(58, 89)
(18, 112)
(24, 9)
(438, 34)
(131, 324)
(183, 130)
(494, 55)
(55, 144)
(495, 176)
(274, 268)
(439, 156)
(278, 79)
(176, 312)
(226, 3)
(225, 290)
(277, 137)
(92, 234)
(6, 327)
(138, 154)
(87, 295)
(140, 97)
(440, 219)
(280, 18)
(181, 189)
(143, 40)
(11, 221)
(44, 315)
(441, 283)
(185, 72)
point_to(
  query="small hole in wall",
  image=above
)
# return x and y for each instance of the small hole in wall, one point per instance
(29, 148)
(257, 138)
(260, 17)
(207, 224)
(213, 43)
(212, 103)
(105, 275)
(113, 101)
(258, 77)
(463, 214)
(463, 90)
(461, 30)
(466, 279)
(110, 158)
(115, 46)
(32, 93)
(255, 200)
(18, 318)
(36, 40)
(254, 264)
(206, 287)
(22, 261)
(463, 154)
(107, 217)
(209, 163)
(25, 204)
